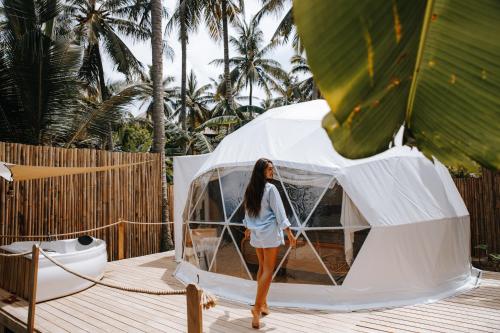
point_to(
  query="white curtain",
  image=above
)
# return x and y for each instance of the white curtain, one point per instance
(352, 221)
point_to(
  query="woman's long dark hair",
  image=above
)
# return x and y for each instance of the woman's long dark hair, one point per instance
(255, 188)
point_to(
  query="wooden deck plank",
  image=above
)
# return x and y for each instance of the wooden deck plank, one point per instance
(158, 318)
(68, 321)
(19, 311)
(447, 319)
(450, 318)
(101, 309)
(115, 321)
(453, 311)
(245, 310)
(164, 306)
(139, 321)
(104, 323)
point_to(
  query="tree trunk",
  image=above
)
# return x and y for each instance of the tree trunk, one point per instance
(104, 96)
(183, 74)
(315, 92)
(250, 96)
(227, 78)
(158, 117)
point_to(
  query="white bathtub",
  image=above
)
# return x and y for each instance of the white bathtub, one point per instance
(54, 282)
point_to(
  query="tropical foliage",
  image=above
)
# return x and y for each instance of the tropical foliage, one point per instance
(250, 65)
(39, 87)
(134, 135)
(54, 86)
(429, 66)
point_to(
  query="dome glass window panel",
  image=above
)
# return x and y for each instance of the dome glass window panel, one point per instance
(234, 182)
(197, 188)
(304, 189)
(208, 207)
(227, 259)
(189, 253)
(329, 244)
(328, 211)
(302, 265)
(247, 251)
(238, 215)
(338, 248)
(286, 203)
(206, 238)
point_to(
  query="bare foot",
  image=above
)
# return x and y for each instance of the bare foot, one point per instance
(265, 310)
(255, 318)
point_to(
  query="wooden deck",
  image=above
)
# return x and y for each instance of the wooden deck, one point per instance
(100, 309)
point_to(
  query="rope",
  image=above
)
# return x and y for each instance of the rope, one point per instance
(90, 279)
(15, 254)
(150, 223)
(84, 231)
(208, 300)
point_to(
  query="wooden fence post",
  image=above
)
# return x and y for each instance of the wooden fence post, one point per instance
(122, 235)
(194, 309)
(33, 282)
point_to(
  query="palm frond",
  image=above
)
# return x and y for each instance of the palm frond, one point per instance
(121, 55)
(220, 121)
(201, 143)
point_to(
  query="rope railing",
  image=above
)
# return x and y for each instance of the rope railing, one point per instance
(21, 254)
(109, 285)
(196, 299)
(208, 300)
(84, 231)
(150, 223)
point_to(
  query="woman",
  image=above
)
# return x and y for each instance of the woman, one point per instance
(265, 220)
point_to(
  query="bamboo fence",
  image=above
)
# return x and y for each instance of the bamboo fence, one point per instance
(482, 198)
(80, 202)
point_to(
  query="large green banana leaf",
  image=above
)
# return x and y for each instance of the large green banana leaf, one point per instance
(433, 66)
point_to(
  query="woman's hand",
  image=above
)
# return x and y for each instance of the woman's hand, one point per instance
(247, 234)
(291, 238)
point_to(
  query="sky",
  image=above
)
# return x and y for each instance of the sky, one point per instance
(201, 50)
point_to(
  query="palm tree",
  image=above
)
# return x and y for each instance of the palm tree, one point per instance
(187, 17)
(142, 92)
(286, 27)
(198, 99)
(91, 127)
(158, 116)
(186, 142)
(97, 26)
(217, 15)
(218, 95)
(251, 66)
(289, 92)
(308, 87)
(39, 90)
(114, 110)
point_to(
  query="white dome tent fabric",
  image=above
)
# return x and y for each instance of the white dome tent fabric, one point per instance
(384, 231)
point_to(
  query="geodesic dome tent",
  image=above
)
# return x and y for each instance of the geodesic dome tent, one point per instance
(384, 231)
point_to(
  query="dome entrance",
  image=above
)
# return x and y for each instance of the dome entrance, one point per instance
(328, 241)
